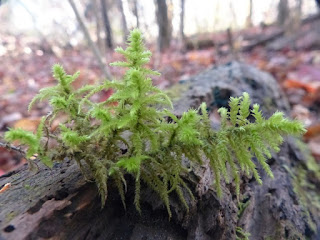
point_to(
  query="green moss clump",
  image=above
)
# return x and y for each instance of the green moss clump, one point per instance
(132, 133)
(241, 234)
(306, 177)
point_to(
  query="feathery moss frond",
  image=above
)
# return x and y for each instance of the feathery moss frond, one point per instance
(24, 137)
(131, 133)
(234, 109)
(72, 138)
(100, 173)
(132, 164)
(244, 108)
(62, 90)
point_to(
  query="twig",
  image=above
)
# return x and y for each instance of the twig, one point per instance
(12, 148)
(31, 162)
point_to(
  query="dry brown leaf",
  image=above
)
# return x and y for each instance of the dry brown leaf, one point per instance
(28, 124)
(312, 131)
(5, 187)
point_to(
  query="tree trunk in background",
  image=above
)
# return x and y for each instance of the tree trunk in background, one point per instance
(234, 22)
(123, 20)
(170, 17)
(233, 50)
(135, 12)
(163, 24)
(182, 36)
(249, 18)
(299, 7)
(96, 8)
(283, 12)
(107, 26)
(216, 19)
(91, 44)
(295, 19)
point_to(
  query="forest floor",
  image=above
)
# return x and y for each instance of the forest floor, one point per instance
(293, 59)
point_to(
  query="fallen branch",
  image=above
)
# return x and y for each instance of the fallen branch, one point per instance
(12, 148)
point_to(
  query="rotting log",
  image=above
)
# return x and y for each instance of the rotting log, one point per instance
(58, 203)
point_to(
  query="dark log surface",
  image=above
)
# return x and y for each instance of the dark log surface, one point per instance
(58, 203)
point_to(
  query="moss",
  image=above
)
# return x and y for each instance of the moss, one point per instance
(134, 133)
(290, 232)
(10, 216)
(311, 163)
(241, 234)
(285, 230)
(242, 205)
(27, 186)
(306, 190)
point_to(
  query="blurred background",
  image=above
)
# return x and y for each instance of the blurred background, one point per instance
(186, 37)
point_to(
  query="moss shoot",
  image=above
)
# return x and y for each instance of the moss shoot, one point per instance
(129, 133)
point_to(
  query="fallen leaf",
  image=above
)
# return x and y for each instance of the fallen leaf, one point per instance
(314, 146)
(312, 131)
(5, 188)
(28, 124)
(311, 87)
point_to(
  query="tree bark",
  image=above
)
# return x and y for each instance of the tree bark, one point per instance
(295, 18)
(170, 17)
(94, 48)
(123, 21)
(283, 12)
(98, 24)
(164, 36)
(136, 13)
(249, 18)
(107, 25)
(299, 4)
(233, 50)
(182, 36)
(58, 203)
